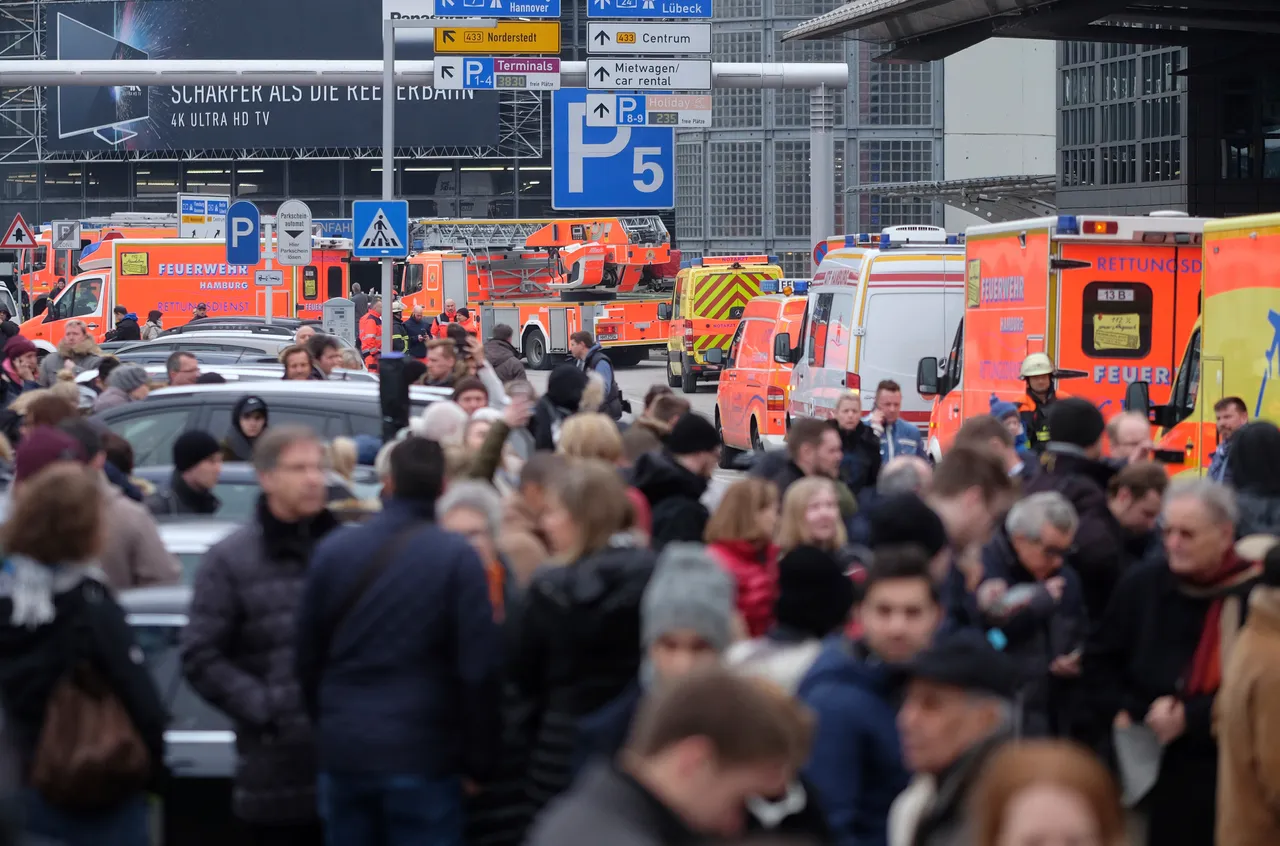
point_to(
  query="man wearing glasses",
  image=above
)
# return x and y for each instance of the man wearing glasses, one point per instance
(183, 369)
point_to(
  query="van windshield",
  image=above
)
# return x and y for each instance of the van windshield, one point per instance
(1187, 386)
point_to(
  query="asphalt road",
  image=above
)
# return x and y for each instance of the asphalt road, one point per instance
(635, 381)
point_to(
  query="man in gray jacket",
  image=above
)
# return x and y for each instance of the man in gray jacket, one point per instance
(238, 646)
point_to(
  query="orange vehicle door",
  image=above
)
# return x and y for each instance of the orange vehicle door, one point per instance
(947, 414)
(1117, 319)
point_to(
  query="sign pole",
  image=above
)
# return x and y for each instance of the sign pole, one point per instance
(22, 286)
(388, 162)
(269, 255)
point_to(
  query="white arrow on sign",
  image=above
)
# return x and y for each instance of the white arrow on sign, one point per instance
(293, 233)
(268, 278)
(649, 74)
(676, 39)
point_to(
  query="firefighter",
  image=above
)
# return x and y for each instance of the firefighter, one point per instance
(440, 325)
(399, 334)
(469, 321)
(371, 334)
(1039, 374)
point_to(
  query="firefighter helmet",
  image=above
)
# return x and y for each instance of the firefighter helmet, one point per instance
(1036, 364)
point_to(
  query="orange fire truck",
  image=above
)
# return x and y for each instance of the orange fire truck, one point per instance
(41, 274)
(548, 278)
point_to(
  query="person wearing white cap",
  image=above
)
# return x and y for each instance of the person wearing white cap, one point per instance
(399, 334)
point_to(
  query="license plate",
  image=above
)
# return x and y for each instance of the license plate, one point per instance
(608, 336)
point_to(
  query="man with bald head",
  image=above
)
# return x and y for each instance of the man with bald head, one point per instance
(1129, 438)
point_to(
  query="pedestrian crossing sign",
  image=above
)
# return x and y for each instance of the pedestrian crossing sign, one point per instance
(381, 228)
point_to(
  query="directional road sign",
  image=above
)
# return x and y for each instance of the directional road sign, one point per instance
(500, 74)
(18, 236)
(629, 167)
(381, 228)
(66, 234)
(503, 8)
(244, 233)
(687, 9)
(649, 74)
(508, 38)
(682, 110)
(333, 227)
(293, 233)
(268, 278)
(648, 38)
(202, 217)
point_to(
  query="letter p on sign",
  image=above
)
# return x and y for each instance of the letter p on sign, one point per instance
(244, 241)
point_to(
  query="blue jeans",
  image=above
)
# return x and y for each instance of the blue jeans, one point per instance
(390, 810)
(127, 824)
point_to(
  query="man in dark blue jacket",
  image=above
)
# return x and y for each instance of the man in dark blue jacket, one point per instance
(856, 765)
(398, 656)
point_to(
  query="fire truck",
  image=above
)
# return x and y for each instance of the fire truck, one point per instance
(549, 278)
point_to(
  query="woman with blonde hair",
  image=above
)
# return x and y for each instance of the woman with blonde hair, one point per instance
(593, 435)
(811, 517)
(1046, 791)
(740, 536)
(577, 639)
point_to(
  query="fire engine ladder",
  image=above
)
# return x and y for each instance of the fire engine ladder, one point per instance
(127, 219)
(496, 248)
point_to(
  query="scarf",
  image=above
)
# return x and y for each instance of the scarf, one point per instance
(32, 586)
(1205, 672)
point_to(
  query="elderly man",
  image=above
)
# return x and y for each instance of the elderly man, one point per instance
(1129, 438)
(440, 324)
(304, 334)
(956, 712)
(1154, 658)
(1030, 601)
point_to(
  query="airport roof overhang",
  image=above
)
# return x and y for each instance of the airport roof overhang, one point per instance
(994, 199)
(927, 30)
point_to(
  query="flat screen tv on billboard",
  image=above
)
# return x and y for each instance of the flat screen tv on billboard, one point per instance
(222, 117)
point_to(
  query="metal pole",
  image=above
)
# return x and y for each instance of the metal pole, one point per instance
(822, 166)
(388, 162)
(269, 253)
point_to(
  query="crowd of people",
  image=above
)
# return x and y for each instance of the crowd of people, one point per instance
(555, 627)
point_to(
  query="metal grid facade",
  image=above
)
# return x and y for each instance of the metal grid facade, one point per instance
(742, 186)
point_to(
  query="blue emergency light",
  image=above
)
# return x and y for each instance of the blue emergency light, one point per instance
(769, 286)
(1068, 224)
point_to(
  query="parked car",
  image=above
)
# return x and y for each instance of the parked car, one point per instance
(239, 372)
(189, 538)
(238, 487)
(278, 325)
(238, 346)
(330, 408)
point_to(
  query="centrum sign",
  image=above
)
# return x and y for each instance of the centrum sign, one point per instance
(648, 74)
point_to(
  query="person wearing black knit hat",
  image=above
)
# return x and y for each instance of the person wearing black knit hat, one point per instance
(1073, 467)
(675, 478)
(197, 465)
(815, 598)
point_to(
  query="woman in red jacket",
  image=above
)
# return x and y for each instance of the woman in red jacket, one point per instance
(740, 536)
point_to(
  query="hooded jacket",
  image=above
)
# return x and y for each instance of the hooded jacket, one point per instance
(151, 330)
(576, 648)
(755, 573)
(236, 446)
(856, 764)
(127, 329)
(562, 399)
(181, 498)
(85, 355)
(1251, 466)
(860, 461)
(675, 495)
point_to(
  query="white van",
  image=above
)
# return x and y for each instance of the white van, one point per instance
(876, 304)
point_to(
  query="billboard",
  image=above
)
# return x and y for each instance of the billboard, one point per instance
(215, 117)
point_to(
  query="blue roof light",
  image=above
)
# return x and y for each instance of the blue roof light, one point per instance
(801, 286)
(1068, 224)
(769, 286)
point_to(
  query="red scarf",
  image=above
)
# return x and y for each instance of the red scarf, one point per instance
(1205, 673)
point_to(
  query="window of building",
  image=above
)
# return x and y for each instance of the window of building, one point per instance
(1162, 161)
(106, 179)
(791, 189)
(728, 9)
(314, 178)
(1119, 122)
(690, 180)
(796, 264)
(738, 108)
(1076, 127)
(362, 178)
(157, 179)
(65, 211)
(838, 171)
(1271, 157)
(737, 187)
(105, 208)
(1237, 158)
(791, 106)
(893, 94)
(20, 181)
(894, 161)
(206, 177)
(1116, 320)
(421, 177)
(1119, 165)
(1077, 86)
(62, 180)
(259, 178)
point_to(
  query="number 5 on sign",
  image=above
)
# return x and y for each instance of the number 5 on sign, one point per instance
(607, 167)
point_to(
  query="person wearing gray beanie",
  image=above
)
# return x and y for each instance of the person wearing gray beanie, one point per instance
(127, 383)
(686, 623)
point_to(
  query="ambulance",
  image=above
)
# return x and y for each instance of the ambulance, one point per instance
(751, 398)
(708, 299)
(1233, 350)
(876, 302)
(173, 275)
(1111, 299)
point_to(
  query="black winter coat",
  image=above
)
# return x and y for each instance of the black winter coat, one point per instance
(1142, 650)
(860, 464)
(238, 653)
(674, 495)
(1099, 554)
(181, 498)
(575, 647)
(126, 329)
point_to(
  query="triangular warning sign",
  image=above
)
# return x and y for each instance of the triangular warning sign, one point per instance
(18, 236)
(380, 235)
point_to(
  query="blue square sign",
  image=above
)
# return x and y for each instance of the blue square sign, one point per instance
(381, 228)
(608, 167)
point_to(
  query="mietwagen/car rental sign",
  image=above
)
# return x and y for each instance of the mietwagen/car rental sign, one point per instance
(649, 74)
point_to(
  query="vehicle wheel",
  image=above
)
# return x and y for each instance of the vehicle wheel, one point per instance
(673, 381)
(628, 356)
(756, 443)
(688, 381)
(535, 350)
(728, 454)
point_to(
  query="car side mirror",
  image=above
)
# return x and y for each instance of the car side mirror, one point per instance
(714, 356)
(664, 311)
(1137, 397)
(927, 377)
(782, 348)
